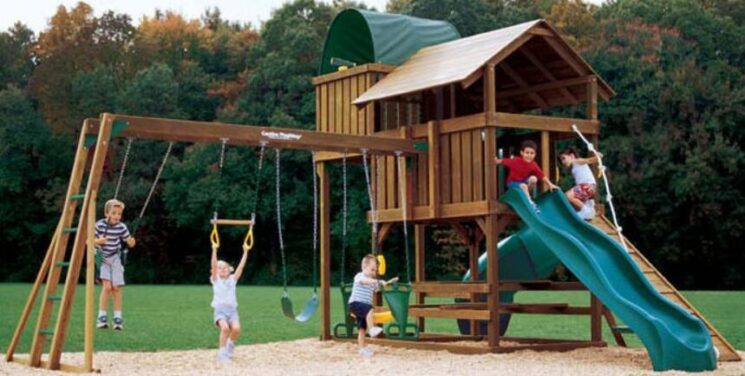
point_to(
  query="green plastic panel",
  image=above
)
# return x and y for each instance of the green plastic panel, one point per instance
(116, 129)
(362, 37)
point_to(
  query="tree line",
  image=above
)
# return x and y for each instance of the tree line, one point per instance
(672, 136)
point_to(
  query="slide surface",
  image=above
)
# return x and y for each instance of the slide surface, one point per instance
(674, 338)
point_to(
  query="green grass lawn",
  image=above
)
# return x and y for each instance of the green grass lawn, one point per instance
(179, 317)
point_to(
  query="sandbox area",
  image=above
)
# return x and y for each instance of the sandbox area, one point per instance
(312, 357)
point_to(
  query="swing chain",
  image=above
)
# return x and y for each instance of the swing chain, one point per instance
(403, 211)
(155, 183)
(315, 222)
(344, 216)
(124, 166)
(279, 223)
(372, 201)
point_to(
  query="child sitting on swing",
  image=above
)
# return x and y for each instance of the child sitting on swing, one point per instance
(361, 300)
(225, 303)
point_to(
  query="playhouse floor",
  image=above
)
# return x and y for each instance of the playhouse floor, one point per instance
(311, 357)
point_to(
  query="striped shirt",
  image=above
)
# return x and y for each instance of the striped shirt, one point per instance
(361, 292)
(114, 234)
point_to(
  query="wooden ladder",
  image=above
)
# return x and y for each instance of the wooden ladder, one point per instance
(726, 351)
(55, 261)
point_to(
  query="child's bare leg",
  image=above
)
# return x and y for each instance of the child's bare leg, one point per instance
(369, 319)
(224, 332)
(103, 299)
(576, 202)
(117, 293)
(361, 337)
(525, 189)
(235, 330)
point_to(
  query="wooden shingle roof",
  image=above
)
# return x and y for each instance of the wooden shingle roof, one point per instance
(461, 61)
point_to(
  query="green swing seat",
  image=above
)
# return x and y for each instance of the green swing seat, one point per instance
(349, 325)
(397, 297)
(307, 312)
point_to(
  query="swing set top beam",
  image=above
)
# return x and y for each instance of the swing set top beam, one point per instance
(250, 135)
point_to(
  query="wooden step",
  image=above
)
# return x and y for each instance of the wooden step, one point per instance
(622, 329)
(726, 351)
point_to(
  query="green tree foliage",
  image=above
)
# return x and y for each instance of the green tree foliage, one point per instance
(29, 184)
(15, 56)
(672, 135)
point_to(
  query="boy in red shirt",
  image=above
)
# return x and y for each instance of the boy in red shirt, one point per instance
(524, 172)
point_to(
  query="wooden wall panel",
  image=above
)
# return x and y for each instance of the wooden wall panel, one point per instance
(478, 165)
(354, 113)
(345, 103)
(445, 182)
(466, 166)
(456, 194)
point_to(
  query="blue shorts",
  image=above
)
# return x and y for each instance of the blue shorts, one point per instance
(360, 311)
(516, 184)
(229, 314)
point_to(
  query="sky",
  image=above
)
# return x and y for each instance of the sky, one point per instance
(36, 13)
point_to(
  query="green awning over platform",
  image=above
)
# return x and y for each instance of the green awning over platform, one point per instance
(362, 37)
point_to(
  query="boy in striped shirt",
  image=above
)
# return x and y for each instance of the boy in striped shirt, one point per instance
(360, 302)
(110, 232)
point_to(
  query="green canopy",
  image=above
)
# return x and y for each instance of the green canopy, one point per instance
(363, 37)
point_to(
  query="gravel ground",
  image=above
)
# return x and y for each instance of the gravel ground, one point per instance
(312, 357)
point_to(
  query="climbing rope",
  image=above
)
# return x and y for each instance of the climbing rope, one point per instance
(608, 196)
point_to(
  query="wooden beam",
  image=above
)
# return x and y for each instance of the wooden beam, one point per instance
(559, 84)
(537, 63)
(546, 285)
(325, 249)
(384, 231)
(542, 31)
(436, 287)
(596, 315)
(353, 71)
(232, 222)
(90, 317)
(543, 123)
(592, 99)
(611, 324)
(492, 278)
(523, 84)
(568, 58)
(248, 135)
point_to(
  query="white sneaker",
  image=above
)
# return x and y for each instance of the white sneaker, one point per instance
(230, 347)
(588, 210)
(223, 356)
(366, 352)
(375, 331)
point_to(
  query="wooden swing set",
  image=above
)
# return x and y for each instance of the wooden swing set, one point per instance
(433, 124)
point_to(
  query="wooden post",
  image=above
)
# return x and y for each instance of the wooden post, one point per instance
(545, 157)
(473, 264)
(325, 250)
(79, 245)
(90, 285)
(419, 258)
(492, 278)
(592, 114)
(490, 141)
(433, 139)
(596, 323)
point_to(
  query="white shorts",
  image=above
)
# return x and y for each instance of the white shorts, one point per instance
(112, 270)
(229, 314)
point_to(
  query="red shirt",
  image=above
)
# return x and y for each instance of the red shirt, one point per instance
(520, 170)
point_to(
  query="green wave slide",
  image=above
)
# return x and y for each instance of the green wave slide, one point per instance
(675, 339)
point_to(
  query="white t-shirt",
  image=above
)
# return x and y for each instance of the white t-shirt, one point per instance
(223, 292)
(582, 174)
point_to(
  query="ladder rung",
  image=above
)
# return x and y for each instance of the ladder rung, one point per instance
(78, 196)
(622, 329)
(70, 229)
(46, 332)
(55, 297)
(62, 263)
